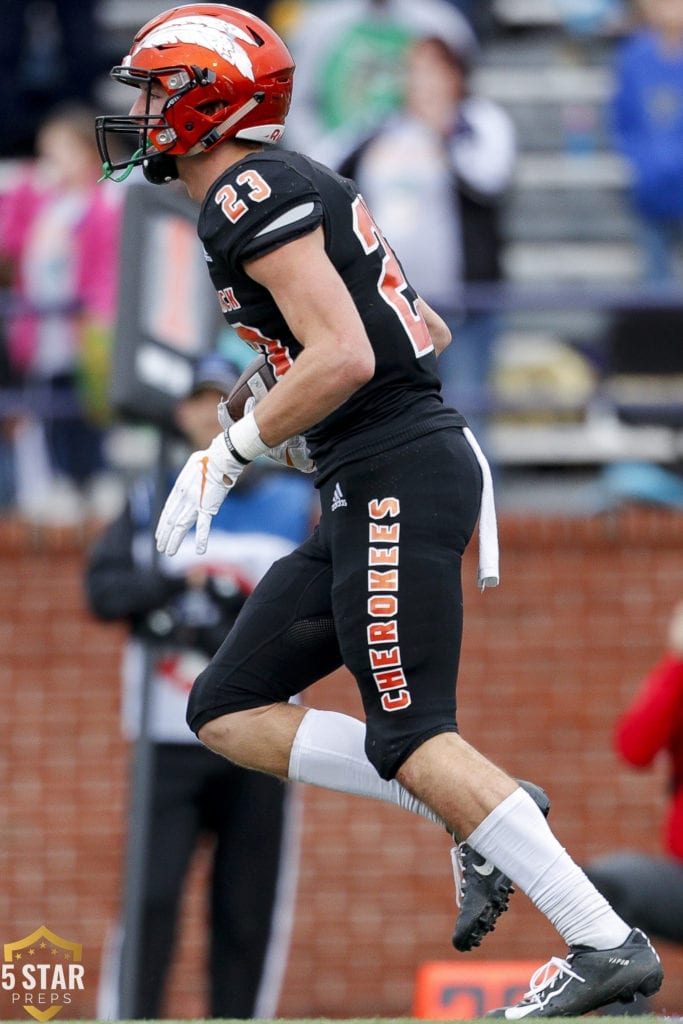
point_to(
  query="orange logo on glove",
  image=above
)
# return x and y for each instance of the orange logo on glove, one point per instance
(205, 468)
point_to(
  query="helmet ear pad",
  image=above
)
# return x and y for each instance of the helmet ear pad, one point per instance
(160, 168)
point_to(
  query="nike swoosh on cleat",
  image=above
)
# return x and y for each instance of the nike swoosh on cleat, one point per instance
(487, 868)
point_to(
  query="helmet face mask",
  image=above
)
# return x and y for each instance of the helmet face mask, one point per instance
(225, 74)
(124, 141)
(149, 137)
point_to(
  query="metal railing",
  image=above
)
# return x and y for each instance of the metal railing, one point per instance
(502, 298)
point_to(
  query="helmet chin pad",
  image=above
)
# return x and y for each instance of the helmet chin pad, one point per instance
(160, 168)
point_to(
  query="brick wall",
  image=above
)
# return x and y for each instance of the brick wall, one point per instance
(548, 660)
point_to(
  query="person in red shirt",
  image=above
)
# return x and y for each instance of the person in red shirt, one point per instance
(646, 889)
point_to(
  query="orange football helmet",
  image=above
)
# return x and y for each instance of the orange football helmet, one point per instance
(227, 75)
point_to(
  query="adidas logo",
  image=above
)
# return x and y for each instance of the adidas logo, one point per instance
(338, 499)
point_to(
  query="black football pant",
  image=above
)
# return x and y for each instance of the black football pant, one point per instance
(195, 795)
(377, 587)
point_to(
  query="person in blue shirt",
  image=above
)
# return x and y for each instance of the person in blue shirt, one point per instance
(647, 119)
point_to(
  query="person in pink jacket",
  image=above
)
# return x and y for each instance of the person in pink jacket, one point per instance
(644, 888)
(59, 236)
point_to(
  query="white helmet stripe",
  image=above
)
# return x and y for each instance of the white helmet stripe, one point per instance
(210, 33)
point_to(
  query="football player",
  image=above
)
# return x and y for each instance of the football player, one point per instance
(305, 275)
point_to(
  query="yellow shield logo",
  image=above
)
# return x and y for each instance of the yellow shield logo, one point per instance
(41, 972)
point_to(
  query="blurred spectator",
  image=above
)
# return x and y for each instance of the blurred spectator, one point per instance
(286, 13)
(433, 175)
(591, 17)
(647, 889)
(59, 236)
(648, 126)
(50, 52)
(480, 14)
(258, 7)
(349, 66)
(181, 609)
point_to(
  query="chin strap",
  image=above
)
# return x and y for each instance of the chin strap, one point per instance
(216, 134)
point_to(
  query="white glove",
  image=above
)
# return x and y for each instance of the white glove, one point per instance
(197, 495)
(224, 417)
(292, 453)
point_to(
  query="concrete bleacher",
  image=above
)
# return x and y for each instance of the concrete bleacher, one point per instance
(567, 216)
(568, 228)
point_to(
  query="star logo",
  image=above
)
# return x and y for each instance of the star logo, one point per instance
(41, 972)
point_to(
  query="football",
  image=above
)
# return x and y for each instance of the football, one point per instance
(254, 382)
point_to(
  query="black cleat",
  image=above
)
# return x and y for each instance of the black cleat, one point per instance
(482, 891)
(588, 979)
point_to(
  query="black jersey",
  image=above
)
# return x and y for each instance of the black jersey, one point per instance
(272, 197)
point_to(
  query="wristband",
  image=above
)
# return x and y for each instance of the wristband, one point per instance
(243, 439)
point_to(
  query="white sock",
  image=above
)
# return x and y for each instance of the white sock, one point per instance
(516, 838)
(329, 751)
